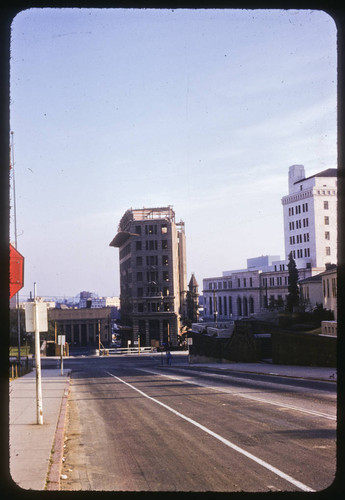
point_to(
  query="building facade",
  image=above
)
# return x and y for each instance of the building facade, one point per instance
(310, 233)
(153, 277)
(82, 327)
(310, 218)
(329, 290)
(247, 292)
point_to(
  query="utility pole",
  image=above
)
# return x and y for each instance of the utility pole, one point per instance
(15, 243)
(39, 407)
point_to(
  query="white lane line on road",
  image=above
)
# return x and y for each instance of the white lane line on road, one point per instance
(241, 395)
(228, 443)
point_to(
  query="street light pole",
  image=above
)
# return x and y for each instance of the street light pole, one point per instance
(39, 407)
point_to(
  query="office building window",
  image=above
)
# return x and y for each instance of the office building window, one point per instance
(250, 281)
(305, 207)
(230, 305)
(327, 236)
(225, 306)
(326, 220)
(334, 287)
(140, 276)
(151, 229)
(139, 261)
(138, 229)
(138, 245)
(328, 250)
(238, 282)
(164, 244)
(325, 205)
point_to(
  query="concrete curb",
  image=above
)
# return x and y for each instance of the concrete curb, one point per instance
(54, 472)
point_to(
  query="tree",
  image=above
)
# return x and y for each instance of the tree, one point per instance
(292, 300)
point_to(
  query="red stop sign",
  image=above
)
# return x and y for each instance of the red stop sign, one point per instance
(16, 271)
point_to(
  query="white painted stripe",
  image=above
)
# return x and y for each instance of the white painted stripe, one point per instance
(241, 395)
(228, 443)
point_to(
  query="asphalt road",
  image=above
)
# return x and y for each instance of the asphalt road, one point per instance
(134, 425)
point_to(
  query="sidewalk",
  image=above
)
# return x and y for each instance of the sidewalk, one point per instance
(31, 444)
(304, 372)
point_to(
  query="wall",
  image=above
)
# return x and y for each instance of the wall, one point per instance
(303, 349)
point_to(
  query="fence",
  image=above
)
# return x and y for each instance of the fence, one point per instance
(17, 369)
(123, 350)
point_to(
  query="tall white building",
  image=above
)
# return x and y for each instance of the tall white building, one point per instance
(310, 218)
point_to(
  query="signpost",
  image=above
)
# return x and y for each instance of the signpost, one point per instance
(61, 342)
(190, 342)
(36, 320)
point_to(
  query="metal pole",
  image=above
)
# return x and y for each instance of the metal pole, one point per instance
(39, 408)
(61, 358)
(15, 243)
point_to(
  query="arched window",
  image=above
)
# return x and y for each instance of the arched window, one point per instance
(239, 306)
(245, 306)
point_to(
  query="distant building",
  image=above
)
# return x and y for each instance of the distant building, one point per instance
(83, 326)
(50, 304)
(330, 290)
(247, 292)
(193, 300)
(152, 254)
(94, 302)
(320, 289)
(310, 233)
(310, 218)
(311, 292)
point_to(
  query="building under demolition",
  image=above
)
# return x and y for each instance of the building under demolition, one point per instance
(153, 277)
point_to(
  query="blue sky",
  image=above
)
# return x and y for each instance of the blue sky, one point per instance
(204, 110)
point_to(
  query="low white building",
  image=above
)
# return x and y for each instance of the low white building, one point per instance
(248, 292)
(311, 292)
(329, 290)
(98, 302)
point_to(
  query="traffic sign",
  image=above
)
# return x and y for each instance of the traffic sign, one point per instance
(42, 317)
(61, 339)
(16, 271)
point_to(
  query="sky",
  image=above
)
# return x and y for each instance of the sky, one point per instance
(204, 110)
